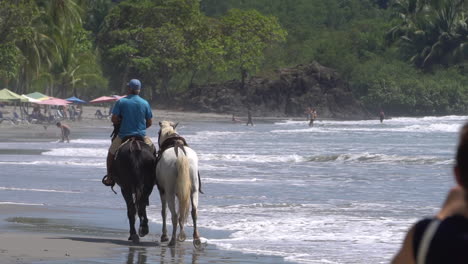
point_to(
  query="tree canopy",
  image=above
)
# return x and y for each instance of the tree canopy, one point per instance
(408, 56)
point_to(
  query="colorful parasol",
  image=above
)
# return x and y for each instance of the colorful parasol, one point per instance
(54, 101)
(104, 99)
(75, 100)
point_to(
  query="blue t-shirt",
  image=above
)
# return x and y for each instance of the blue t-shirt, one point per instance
(134, 112)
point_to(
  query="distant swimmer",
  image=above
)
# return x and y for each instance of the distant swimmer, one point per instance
(249, 118)
(234, 119)
(313, 116)
(308, 112)
(381, 115)
(65, 132)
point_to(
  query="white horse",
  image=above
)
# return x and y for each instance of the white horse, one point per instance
(177, 176)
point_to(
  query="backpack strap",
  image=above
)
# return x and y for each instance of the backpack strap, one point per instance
(426, 241)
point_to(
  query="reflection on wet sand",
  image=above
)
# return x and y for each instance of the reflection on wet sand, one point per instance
(140, 255)
(166, 255)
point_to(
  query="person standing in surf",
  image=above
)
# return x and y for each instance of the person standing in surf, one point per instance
(249, 118)
(381, 115)
(65, 130)
(443, 238)
(313, 116)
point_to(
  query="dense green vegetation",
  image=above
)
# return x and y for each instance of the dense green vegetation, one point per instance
(405, 56)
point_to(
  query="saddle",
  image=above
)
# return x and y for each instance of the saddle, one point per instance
(176, 142)
(130, 139)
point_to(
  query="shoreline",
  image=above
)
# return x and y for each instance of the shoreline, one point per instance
(41, 234)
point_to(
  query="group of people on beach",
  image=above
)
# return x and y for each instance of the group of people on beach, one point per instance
(234, 119)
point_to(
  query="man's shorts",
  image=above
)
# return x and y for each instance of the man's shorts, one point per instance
(118, 141)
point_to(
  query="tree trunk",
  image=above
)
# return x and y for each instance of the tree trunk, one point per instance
(165, 86)
(244, 75)
(192, 78)
(123, 89)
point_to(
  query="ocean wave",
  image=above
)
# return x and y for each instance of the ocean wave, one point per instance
(307, 130)
(345, 157)
(77, 152)
(264, 228)
(35, 190)
(379, 158)
(56, 163)
(219, 133)
(236, 180)
(251, 158)
(440, 127)
(91, 141)
(420, 128)
(16, 203)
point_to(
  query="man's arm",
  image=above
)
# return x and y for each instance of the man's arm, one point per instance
(115, 119)
(149, 122)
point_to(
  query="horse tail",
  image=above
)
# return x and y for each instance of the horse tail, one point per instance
(138, 179)
(183, 187)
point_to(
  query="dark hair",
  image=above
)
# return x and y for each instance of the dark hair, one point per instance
(58, 124)
(462, 156)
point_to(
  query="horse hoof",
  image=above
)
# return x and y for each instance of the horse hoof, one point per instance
(134, 238)
(181, 237)
(143, 231)
(198, 245)
(171, 243)
(164, 238)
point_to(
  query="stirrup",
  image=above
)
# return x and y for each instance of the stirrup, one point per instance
(107, 181)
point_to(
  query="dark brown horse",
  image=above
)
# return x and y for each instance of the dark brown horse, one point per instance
(134, 172)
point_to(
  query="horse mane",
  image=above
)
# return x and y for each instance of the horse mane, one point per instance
(167, 130)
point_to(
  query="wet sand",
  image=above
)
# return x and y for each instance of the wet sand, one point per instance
(39, 234)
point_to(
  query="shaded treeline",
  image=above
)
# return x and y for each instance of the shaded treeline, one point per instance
(405, 56)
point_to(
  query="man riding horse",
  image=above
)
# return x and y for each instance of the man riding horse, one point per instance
(133, 115)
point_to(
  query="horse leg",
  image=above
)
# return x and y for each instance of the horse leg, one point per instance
(164, 237)
(196, 236)
(171, 204)
(143, 230)
(182, 235)
(131, 211)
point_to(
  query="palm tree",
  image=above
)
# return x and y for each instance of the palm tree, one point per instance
(431, 31)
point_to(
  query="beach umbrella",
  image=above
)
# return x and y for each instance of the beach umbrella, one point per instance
(38, 96)
(104, 99)
(54, 101)
(119, 96)
(76, 100)
(9, 96)
(30, 99)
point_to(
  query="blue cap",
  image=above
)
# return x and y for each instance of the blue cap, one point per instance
(135, 84)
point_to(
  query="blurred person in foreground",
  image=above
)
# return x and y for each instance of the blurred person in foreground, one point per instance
(443, 238)
(131, 117)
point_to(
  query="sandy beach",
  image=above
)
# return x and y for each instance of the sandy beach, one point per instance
(43, 234)
(44, 132)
